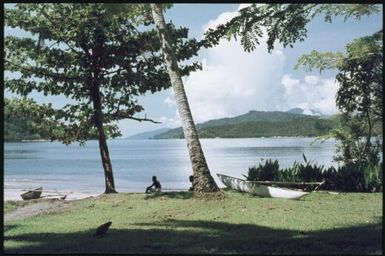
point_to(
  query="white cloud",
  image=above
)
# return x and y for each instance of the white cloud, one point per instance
(289, 83)
(233, 81)
(221, 19)
(311, 93)
(172, 122)
(225, 17)
(170, 102)
(313, 80)
(241, 6)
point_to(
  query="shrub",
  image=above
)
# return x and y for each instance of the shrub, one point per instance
(351, 177)
(269, 170)
(309, 172)
(373, 178)
(329, 176)
(357, 177)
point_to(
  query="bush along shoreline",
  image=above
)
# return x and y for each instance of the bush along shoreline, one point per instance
(350, 177)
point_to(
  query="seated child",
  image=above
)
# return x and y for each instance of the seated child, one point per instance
(156, 184)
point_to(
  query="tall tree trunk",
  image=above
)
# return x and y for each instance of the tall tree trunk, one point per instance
(203, 181)
(368, 137)
(98, 114)
(98, 121)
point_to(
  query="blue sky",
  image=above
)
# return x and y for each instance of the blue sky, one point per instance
(233, 82)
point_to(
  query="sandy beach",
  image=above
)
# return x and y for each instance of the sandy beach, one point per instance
(14, 194)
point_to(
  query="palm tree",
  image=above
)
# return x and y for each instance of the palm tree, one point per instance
(203, 181)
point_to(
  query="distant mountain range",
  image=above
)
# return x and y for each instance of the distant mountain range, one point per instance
(311, 112)
(147, 135)
(254, 124)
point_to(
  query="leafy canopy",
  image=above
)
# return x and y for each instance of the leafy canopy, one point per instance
(359, 96)
(284, 23)
(38, 121)
(79, 49)
(359, 74)
(360, 77)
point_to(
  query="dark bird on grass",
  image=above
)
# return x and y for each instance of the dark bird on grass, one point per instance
(63, 197)
(102, 229)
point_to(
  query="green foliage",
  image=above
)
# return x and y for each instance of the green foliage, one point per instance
(319, 60)
(94, 56)
(307, 172)
(285, 23)
(359, 97)
(269, 170)
(17, 129)
(355, 177)
(259, 124)
(360, 78)
(25, 119)
(352, 177)
(345, 10)
(374, 178)
(352, 146)
(137, 13)
(299, 172)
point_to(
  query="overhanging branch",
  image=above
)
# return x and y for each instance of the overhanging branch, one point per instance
(144, 120)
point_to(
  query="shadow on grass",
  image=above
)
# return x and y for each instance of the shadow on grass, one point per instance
(173, 195)
(10, 227)
(184, 236)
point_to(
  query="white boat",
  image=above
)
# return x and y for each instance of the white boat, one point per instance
(260, 189)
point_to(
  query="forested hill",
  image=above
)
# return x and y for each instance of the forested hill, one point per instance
(259, 124)
(251, 124)
(18, 129)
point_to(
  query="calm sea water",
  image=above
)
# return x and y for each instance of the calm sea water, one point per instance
(56, 166)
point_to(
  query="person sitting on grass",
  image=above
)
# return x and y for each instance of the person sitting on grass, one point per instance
(191, 178)
(155, 183)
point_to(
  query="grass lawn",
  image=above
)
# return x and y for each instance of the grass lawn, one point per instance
(10, 206)
(176, 222)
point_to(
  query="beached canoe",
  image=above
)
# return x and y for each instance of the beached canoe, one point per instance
(32, 194)
(259, 189)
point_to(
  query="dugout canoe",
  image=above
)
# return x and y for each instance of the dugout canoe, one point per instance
(32, 194)
(258, 189)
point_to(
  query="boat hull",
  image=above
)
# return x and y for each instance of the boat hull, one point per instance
(260, 189)
(32, 194)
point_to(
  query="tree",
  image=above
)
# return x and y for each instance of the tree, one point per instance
(97, 59)
(284, 23)
(203, 181)
(359, 96)
(17, 128)
(39, 121)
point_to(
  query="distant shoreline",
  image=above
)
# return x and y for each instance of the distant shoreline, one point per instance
(203, 138)
(33, 141)
(259, 137)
